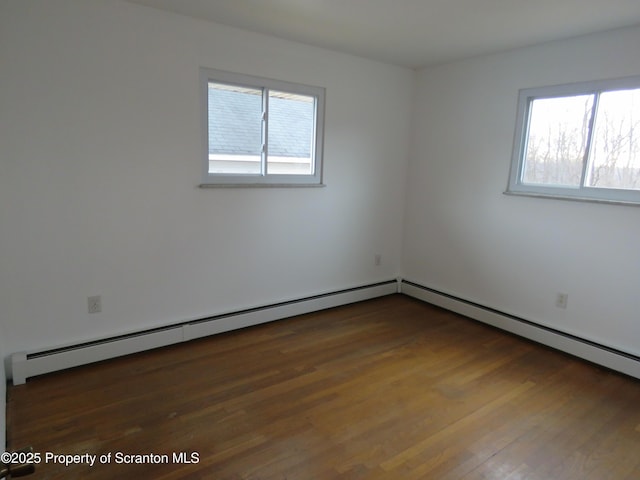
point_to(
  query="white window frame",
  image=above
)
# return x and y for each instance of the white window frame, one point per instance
(582, 192)
(263, 179)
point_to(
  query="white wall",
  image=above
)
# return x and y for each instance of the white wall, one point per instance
(101, 161)
(464, 237)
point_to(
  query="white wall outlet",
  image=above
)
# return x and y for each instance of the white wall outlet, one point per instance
(561, 300)
(95, 304)
(377, 260)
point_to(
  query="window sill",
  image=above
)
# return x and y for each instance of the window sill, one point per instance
(572, 198)
(262, 185)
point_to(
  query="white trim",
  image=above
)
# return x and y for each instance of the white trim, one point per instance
(599, 354)
(25, 365)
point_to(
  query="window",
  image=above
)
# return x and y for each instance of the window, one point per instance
(259, 131)
(579, 141)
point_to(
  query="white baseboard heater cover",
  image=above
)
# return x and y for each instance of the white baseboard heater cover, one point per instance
(25, 365)
(599, 354)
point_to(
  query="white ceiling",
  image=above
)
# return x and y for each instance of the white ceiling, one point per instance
(414, 33)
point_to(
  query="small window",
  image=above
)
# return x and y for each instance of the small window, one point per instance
(260, 131)
(579, 141)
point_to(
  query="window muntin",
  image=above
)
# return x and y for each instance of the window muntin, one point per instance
(579, 141)
(261, 131)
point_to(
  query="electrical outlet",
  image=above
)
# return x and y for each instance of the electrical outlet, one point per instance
(377, 260)
(561, 300)
(95, 304)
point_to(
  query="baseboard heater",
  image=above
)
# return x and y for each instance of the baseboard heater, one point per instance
(599, 354)
(25, 365)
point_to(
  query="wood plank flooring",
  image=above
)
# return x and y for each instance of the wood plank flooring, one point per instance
(385, 389)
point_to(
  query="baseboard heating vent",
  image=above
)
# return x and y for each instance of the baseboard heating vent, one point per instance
(612, 358)
(25, 365)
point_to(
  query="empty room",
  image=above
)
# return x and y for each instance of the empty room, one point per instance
(286, 239)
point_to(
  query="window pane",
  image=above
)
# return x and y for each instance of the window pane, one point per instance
(235, 129)
(615, 155)
(290, 138)
(556, 142)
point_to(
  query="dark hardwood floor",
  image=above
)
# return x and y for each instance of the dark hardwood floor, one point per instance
(386, 389)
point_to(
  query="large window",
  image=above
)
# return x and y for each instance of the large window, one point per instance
(260, 131)
(579, 141)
